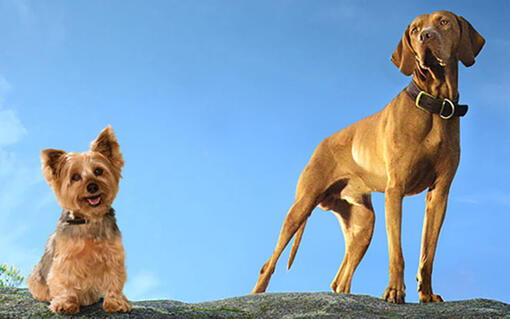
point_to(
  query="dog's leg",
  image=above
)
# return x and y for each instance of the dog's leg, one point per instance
(37, 279)
(395, 292)
(65, 298)
(297, 215)
(64, 285)
(115, 300)
(314, 182)
(357, 222)
(114, 278)
(65, 304)
(434, 216)
(38, 286)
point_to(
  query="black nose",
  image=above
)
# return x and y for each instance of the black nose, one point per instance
(426, 35)
(92, 188)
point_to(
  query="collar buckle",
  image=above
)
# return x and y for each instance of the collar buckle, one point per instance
(418, 98)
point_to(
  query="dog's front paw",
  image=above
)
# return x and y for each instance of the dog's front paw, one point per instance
(395, 295)
(116, 304)
(430, 298)
(64, 306)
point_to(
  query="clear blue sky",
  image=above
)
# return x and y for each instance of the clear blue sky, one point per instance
(218, 106)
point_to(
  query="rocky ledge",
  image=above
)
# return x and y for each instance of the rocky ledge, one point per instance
(18, 303)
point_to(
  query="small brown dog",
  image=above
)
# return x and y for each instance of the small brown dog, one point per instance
(409, 146)
(84, 258)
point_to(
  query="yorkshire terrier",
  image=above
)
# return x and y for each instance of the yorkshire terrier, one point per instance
(84, 257)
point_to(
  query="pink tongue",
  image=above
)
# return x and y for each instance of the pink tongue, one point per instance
(94, 201)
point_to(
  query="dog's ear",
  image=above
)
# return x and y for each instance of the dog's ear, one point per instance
(470, 43)
(403, 56)
(107, 144)
(52, 161)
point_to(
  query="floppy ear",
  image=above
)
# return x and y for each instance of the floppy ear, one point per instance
(52, 161)
(470, 44)
(403, 57)
(107, 144)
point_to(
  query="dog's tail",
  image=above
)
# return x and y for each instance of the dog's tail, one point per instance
(295, 244)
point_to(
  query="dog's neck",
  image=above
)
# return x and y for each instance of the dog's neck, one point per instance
(444, 85)
(81, 227)
(76, 218)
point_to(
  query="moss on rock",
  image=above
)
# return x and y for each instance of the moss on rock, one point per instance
(18, 303)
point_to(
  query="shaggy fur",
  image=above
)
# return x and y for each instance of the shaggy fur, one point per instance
(84, 257)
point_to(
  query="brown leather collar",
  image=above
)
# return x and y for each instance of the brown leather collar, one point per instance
(427, 102)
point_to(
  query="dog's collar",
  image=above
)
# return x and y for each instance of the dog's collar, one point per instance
(76, 221)
(71, 219)
(444, 107)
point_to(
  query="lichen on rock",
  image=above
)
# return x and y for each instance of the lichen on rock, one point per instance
(18, 303)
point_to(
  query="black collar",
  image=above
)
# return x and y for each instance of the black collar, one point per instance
(427, 102)
(75, 221)
(72, 219)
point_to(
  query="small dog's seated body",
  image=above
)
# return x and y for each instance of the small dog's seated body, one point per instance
(84, 257)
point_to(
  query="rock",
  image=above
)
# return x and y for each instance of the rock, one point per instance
(18, 303)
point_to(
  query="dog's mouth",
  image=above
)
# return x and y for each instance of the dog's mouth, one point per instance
(94, 201)
(432, 62)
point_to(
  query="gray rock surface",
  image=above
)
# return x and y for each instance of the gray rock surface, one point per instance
(18, 303)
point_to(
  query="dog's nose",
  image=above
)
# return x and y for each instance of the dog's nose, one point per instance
(92, 188)
(426, 35)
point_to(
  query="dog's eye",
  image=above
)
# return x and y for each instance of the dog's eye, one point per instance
(98, 171)
(443, 22)
(414, 30)
(76, 177)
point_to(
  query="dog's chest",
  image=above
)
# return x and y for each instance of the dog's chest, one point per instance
(437, 154)
(442, 141)
(87, 251)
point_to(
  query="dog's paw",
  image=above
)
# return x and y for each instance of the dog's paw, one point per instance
(341, 287)
(116, 304)
(430, 298)
(64, 306)
(394, 295)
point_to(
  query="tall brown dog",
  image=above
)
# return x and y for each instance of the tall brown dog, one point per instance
(411, 145)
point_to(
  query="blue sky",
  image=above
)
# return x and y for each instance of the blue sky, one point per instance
(218, 106)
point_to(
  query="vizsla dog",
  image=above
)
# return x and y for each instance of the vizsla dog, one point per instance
(409, 146)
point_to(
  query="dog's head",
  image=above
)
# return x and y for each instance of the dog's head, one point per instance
(85, 183)
(435, 41)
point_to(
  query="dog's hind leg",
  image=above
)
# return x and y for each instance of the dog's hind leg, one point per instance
(37, 283)
(357, 222)
(38, 287)
(314, 183)
(296, 216)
